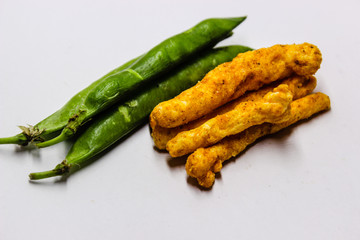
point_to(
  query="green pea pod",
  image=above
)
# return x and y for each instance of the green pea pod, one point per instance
(119, 121)
(160, 59)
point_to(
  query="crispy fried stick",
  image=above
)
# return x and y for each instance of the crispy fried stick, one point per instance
(273, 108)
(300, 86)
(248, 71)
(205, 162)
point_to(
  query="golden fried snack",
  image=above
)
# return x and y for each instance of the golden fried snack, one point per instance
(273, 108)
(300, 86)
(248, 71)
(205, 162)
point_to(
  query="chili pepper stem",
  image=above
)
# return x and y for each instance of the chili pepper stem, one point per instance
(45, 174)
(9, 140)
(59, 170)
(17, 139)
(58, 139)
(68, 132)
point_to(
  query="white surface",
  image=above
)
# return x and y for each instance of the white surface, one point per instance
(300, 184)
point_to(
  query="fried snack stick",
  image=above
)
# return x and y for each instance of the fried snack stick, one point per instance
(205, 162)
(300, 86)
(273, 108)
(248, 71)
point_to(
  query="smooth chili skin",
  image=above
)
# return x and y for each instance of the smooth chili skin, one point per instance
(120, 120)
(58, 120)
(159, 60)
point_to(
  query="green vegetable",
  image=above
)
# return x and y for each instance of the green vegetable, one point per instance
(120, 120)
(57, 121)
(161, 58)
(124, 81)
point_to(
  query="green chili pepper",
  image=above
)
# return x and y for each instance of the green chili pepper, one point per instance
(116, 85)
(161, 58)
(119, 121)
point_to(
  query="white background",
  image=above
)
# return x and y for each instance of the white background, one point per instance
(302, 183)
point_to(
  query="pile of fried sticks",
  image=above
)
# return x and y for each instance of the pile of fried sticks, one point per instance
(258, 93)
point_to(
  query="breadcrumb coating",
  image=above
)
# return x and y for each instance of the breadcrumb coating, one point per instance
(248, 71)
(274, 108)
(300, 86)
(205, 162)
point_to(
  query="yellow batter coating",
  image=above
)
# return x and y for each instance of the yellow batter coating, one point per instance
(300, 86)
(205, 162)
(248, 71)
(274, 108)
